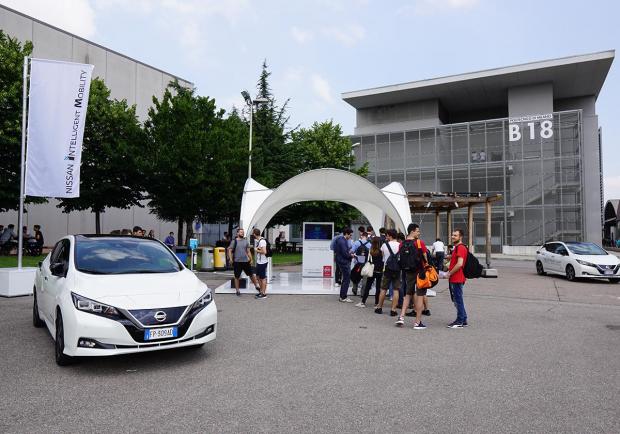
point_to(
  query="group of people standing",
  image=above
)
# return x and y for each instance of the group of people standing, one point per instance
(383, 252)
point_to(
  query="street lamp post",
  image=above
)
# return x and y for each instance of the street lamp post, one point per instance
(250, 102)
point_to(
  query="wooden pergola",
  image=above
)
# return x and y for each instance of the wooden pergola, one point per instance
(447, 202)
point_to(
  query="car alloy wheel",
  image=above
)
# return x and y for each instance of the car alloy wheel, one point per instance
(570, 273)
(539, 268)
(61, 358)
(36, 320)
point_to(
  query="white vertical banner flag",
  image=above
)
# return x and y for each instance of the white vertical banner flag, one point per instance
(56, 117)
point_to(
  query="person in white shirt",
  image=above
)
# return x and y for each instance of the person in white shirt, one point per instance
(389, 250)
(439, 252)
(260, 245)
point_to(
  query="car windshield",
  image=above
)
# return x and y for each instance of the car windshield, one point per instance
(585, 249)
(123, 255)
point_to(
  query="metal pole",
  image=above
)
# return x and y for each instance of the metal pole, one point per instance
(20, 215)
(437, 226)
(250, 146)
(470, 226)
(488, 234)
(449, 224)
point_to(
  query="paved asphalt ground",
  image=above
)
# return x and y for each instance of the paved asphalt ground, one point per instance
(541, 355)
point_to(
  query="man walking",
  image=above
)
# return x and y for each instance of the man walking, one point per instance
(457, 278)
(261, 263)
(343, 261)
(240, 256)
(415, 247)
(439, 252)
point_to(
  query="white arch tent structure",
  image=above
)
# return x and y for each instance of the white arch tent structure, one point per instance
(260, 204)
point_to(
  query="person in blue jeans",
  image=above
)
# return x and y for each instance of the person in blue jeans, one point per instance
(342, 250)
(457, 279)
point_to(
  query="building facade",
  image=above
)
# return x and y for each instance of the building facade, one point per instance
(127, 79)
(529, 132)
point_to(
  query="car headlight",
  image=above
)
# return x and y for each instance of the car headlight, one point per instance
(202, 302)
(91, 306)
(586, 263)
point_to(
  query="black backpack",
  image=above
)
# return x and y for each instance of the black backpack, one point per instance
(410, 257)
(268, 251)
(362, 250)
(392, 263)
(472, 268)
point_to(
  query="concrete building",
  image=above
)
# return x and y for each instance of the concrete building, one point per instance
(127, 79)
(529, 132)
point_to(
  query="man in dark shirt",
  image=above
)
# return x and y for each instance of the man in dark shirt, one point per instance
(343, 261)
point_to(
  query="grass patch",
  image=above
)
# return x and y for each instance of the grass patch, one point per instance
(27, 261)
(286, 258)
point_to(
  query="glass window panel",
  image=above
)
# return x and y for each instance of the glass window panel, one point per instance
(532, 193)
(427, 181)
(571, 181)
(514, 183)
(553, 223)
(530, 139)
(495, 178)
(427, 148)
(571, 224)
(444, 177)
(515, 230)
(551, 179)
(383, 152)
(533, 230)
(478, 179)
(383, 179)
(569, 134)
(368, 149)
(460, 152)
(413, 181)
(478, 152)
(444, 147)
(495, 140)
(460, 181)
(397, 149)
(398, 176)
(412, 149)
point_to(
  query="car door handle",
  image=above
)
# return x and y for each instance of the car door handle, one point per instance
(45, 278)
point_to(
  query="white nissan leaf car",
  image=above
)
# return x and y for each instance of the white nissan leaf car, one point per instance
(577, 260)
(107, 295)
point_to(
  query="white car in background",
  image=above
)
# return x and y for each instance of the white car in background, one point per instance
(109, 295)
(577, 260)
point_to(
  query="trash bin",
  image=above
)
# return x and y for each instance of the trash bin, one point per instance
(207, 259)
(219, 258)
(181, 252)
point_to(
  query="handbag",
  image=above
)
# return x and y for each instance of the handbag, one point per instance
(369, 268)
(427, 277)
(356, 274)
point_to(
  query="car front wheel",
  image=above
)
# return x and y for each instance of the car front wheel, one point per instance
(61, 358)
(614, 280)
(539, 268)
(36, 320)
(570, 273)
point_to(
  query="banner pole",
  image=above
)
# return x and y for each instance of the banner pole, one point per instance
(20, 218)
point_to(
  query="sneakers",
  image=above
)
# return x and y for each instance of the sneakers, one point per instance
(238, 293)
(360, 304)
(455, 325)
(393, 313)
(411, 313)
(346, 300)
(260, 296)
(354, 290)
(400, 322)
(465, 324)
(426, 312)
(379, 310)
(419, 326)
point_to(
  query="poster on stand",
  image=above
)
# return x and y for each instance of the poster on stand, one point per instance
(317, 258)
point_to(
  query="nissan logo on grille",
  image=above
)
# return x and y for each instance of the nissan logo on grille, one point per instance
(160, 316)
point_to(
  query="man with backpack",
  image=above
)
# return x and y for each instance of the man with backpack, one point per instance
(262, 260)
(391, 273)
(412, 259)
(240, 256)
(361, 248)
(456, 278)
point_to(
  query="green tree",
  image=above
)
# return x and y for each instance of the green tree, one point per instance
(181, 163)
(12, 55)
(111, 151)
(321, 146)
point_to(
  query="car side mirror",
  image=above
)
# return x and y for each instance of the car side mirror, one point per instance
(57, 269)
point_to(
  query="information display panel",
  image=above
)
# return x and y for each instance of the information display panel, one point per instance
(318, 259)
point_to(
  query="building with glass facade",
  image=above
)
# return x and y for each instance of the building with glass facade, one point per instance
(529, 132)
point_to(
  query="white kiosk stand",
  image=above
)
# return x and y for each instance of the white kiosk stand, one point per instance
(318, 259)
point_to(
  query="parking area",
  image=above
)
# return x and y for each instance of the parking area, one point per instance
(541, 355)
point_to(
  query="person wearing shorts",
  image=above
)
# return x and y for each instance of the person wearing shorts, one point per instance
(241, 257)
(261, 263)
(418, 294)
(389, 277)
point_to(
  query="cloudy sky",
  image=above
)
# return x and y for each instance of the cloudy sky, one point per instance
(318, 49)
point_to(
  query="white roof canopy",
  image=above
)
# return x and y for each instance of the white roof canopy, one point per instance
(260, 204)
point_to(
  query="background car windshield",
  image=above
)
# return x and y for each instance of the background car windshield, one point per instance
(123, 256)
(585, 249)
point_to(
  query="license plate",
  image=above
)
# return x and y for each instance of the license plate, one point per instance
(609, 271)
(152, 334)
